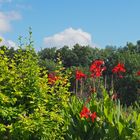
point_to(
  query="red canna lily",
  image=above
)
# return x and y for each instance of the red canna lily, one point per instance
(96, 64)
(93, 116)
(85, 113)
(119, 68)
(97, 68)
(92, 67)
(80, 75)
(98, 73)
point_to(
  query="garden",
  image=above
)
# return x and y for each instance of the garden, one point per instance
(73, 94)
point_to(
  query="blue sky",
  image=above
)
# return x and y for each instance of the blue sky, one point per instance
(65, 22)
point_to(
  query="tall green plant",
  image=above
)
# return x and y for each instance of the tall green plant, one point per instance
(113, 122)
(30, 107)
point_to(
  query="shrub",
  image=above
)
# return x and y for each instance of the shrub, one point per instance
(30, 107)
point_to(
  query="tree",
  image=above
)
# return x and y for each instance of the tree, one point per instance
(48, 53)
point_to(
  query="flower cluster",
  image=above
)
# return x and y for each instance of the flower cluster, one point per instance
(79, 75)
(96, 68)
(86, 113)
(119, 69)
(52, 78)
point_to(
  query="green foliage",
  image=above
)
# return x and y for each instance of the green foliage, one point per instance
(48, 53)
(113, 122)
(30, 107)
(76, 56)
(128, 86)
(82, 56)
(48, 64)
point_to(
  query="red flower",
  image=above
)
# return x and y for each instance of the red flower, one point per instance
(138, 73)
(98, 73)
(98, 63)
(92, 67)
(79, 75)
(93, 116)
(97, 68)
(119, 68)
(52, 78)
(85, 112)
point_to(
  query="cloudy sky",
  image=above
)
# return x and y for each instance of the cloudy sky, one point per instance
(67, 22)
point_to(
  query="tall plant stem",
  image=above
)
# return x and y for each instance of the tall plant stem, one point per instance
(98, 83)
(112, 83)
(81, 87)
(93, 83)
(105, 81)
(76, 87)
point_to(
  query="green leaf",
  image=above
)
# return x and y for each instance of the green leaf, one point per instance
(120, 127)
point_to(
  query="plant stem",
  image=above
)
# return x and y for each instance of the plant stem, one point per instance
(112, 83)
(105, 81)
(76, 86)
(81, 88)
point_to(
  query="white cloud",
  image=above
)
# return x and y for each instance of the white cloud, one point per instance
(5, 20)
(8, 43)
(68, 37)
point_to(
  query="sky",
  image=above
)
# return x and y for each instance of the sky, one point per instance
(56, 23)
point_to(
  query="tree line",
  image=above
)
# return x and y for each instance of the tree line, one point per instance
(81, 57)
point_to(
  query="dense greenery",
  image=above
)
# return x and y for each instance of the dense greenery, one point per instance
(84, 55)
(113, 121)
(37, 100)
(30, 106)
(81, 57)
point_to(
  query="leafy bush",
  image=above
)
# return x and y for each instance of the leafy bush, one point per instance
(30, 106)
